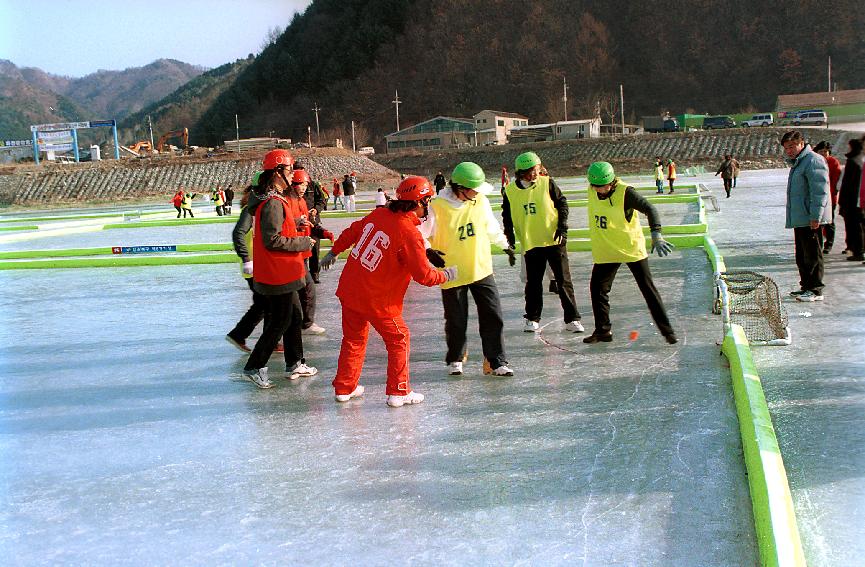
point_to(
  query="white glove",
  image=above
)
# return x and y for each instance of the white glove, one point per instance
(328, 261)
(247, 268)
(450, 273)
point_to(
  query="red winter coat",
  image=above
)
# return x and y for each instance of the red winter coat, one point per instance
(388, 253)
(834, 176)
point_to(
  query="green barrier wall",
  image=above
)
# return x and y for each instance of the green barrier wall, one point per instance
(772, 504)
(120, 261)
(22, 227)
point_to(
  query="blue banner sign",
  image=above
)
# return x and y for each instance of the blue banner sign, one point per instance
(142, 249)
(101, 123)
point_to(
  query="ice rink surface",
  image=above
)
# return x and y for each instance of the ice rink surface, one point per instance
(125, 441)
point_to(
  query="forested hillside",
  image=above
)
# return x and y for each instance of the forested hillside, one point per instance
(32, 96)
(183, 107)
(456, 57)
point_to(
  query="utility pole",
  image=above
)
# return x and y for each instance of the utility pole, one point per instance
(317, 131)
(396, 102)
(237, 132)
(622, 105)
(565, 96)
(150, 128)
(830, 73)
(353, 147)
(309, 135)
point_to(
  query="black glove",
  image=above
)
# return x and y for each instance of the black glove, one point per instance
(435, 257)
(512, 258)
(561, 235)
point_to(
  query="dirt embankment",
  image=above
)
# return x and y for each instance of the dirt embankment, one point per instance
(756, 148)
(132, 179)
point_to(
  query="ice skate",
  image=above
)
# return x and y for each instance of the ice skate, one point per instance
(301, 370)
(399, 401)
(356, 393)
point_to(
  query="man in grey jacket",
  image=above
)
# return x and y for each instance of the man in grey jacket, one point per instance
(807, 208)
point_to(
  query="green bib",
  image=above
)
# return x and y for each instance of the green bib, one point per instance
(461, 233)
(534, 216)
(614, 239)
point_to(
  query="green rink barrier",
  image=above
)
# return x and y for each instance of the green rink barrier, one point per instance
(105, 251)
(120, 261)
(170, 222)
(84, 217)
(22, 227)
(772, 504)
(718, 265)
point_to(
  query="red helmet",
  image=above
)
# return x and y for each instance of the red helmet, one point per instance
(414, 188)
(275, 158)
(300, 176)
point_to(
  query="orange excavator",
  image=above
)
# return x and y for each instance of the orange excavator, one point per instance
(182, 134)
(139, 148)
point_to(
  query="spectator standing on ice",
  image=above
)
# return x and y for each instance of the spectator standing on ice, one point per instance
(278, 250)
(387, 253)
(460, 227)
(617, 238)
(848, 200)
(337, 194)
(807, 209)
(348, 193)
(229, 199)
(177, 201)
(726, 171)
(824, 148)
(505, 178)
(659, 175)
(316, 202)
(671, 174)
(439, 182)
(380, 197)
(535, 211)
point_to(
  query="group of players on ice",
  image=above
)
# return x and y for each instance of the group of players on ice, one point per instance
(437, 240)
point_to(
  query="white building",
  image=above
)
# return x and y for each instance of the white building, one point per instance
(564, 130)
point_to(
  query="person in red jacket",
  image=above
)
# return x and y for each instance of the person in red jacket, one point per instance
(177, 200)
(388, 253)
(278, 247)
(824, 148)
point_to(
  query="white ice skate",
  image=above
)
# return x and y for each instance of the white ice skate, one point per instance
(531, 326)
(503, 370)
(301, 370)
(358, 392)
(399, 401)
(258, 377)
(455, 368)
(574, 327)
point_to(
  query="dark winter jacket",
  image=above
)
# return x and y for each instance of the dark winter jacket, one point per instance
(848, 195)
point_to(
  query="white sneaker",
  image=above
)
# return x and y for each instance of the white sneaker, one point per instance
(503, 370)
(410, 398)
(258, 377)
(358, 392)
(301, 370)
(574, 327)
(809, 296)
(531, 326)
(455, 368)
(313, 330)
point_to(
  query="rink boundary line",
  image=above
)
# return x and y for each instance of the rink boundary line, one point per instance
(778, 539)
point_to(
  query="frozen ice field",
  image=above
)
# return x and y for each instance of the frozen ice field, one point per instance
(125, 441)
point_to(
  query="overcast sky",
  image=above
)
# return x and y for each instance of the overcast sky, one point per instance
(79, 37)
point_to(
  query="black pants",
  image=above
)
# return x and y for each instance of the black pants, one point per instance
(307, 298)
(809, 257)
(536, 265)
(602, 282)
(829, 232)
(178, 210)
(490, 321)
(219, 211)
(282, 320)
(188, 211)
(251, 318)
(313, 261)
(671, 182)
(728, 186)
(853, 225)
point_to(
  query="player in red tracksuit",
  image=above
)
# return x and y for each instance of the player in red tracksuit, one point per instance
(388, 253)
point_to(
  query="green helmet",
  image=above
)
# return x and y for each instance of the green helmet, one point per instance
(468, 174)
(255, 177)
(527, 160)
(601, 173)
